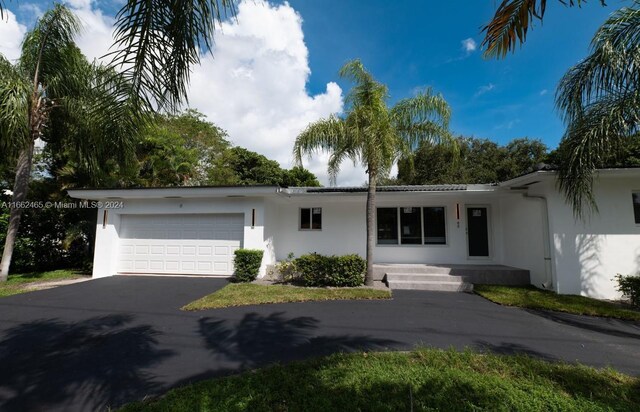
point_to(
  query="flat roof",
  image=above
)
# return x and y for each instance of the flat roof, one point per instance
(175, 192)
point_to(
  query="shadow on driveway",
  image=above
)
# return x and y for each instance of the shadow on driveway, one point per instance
(607, 326)
(51, 362)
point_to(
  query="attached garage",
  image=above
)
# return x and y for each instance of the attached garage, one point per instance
(186, 244)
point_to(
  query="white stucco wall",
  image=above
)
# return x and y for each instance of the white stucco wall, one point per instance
(587, 255)
(344, 227)
(107, 238)
(522, 225)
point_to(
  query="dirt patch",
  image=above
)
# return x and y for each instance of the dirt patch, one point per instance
(54, 283)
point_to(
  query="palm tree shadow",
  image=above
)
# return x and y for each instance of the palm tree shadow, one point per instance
(260, 340)
(90, 364)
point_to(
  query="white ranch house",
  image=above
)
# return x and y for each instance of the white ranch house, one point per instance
(522, 223)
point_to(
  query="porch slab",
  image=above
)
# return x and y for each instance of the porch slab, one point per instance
(473, 273)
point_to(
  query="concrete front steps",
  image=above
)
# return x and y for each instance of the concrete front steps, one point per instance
(428, 281)
(449, 278)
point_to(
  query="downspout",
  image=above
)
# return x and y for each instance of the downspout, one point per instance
(546, 239)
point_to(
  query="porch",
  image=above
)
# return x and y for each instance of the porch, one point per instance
(447, 277)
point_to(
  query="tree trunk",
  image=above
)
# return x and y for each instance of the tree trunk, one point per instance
(371, 231)
(20, 188)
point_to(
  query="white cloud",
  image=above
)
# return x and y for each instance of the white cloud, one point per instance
(485, 89)
(97, 32)
(543, 92)
(255, 86)
(508, 125)
(469, 45)
(11, 33)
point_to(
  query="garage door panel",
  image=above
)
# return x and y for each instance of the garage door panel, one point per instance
(182, 244)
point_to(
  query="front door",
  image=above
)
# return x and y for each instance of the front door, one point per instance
(478, 231)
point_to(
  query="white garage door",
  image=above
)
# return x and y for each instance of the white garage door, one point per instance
(180, 244)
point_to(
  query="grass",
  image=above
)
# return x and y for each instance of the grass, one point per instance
(19, 283)
(240, 294)
(421, 380)
(533, 298)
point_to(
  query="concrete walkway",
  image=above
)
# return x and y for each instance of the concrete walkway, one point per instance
(102, 343)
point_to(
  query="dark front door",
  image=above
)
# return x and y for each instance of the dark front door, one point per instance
(478, 231)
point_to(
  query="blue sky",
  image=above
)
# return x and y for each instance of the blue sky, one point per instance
(409, 44)
(275, 67)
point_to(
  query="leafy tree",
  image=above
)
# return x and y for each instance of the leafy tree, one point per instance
(477, 161)
(521, 156)
(512, 21)
(373, 134)
(299, 176)
(52, 91)
(600, 102)
(239, 166)
(179, 150)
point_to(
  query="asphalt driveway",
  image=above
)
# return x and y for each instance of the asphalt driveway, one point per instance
(105, 342)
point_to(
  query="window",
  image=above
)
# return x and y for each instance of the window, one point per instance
(636, 206)
(410, 223)
(311, 218)
(411, 226)
(387, 226)
(434, 226)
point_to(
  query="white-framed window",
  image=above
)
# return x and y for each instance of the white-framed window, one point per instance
(310, 218)
(635, 197)
(411, 225)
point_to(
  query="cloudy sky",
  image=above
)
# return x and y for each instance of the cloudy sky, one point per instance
(274, 69)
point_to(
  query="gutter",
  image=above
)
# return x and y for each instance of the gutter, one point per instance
(546, 239)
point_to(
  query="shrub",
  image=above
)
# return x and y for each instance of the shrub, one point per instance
(247, 264)
(630, 287)
(286, 270)
(319, 270)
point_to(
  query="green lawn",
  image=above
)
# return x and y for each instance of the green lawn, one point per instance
(240, 294)
(533, 298)
(17, 283)
(421, 380)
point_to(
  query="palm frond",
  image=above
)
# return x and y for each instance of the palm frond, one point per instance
(511, 23)
(599, 99)
(621, 29)
(14, 102)
(157, 42)
(613, 67)
(54, 31)
(105, 115)
(366, 92)
(589, 140)
(424, 117)
(324, 135)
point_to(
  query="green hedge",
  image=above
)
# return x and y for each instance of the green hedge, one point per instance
(319, 270)
(630, 287)
(247, 264)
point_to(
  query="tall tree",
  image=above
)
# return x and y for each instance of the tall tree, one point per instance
(374, 134)
(239, 166)
(512, 21)
(52, 84)
(600, 102)
(479, 161)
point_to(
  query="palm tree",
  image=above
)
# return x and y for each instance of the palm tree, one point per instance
(511, 23)
(157, 42)
(374, 134)
(53, 91)
(600, 102)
